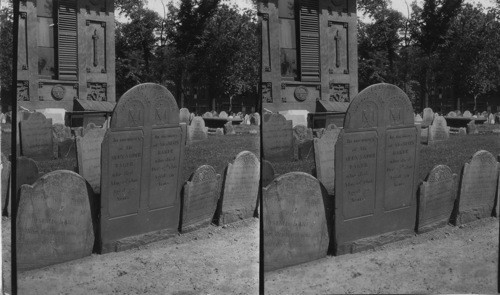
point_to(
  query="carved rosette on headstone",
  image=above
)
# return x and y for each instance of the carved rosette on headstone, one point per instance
(277, 138)
(376, 160)
(324, 156)
(142, 161)
(437, 198)
(54, 221)
(241, 188)
(36, 137)
(200, 198)
(478, 187)
(295, 221)
(89, 157)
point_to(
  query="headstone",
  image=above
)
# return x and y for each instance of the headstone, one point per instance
(200, 198)
(89, 157)
(462, 131)
(191, 117)
(472, 128)
(61, 132)
(268, 173)
(36, 137)
(376, 161)
(295, 221)
(223, 115)
(142, 161)
(418, 119)
(56, 114)
(197, 130)
(184, 116)
(90, 126)
(54, 221)
(439, 130)
(246, 119)
(467, 114)
(428, 117)
(302, 142)
(478, 187)
(491, 119)
(5, 174)
(277, 138)
(241, 188)
(207, 115)
(229, 129)
(219, 132)
(452, 114)
(66, 149)
(459, 113)
(437, 198)
(324, 156)
(255, 119)
(27, 173)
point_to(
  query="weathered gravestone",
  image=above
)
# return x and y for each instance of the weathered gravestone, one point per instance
(229, 129)
(197, 130)
(54, 221)
(90, 126)
(200, 198)
(89, 157)
(324, 156)
(436, 199)
(491, 119)
(241, 188)
(36, 137)
(5, 184)
(478, 187)
(472, 128)
(439, 130)
(27, 173)
(376, 161)
(452, 114)
(142, 162)
(61, 132)
(459, 113)
(418, 119)
(302, 142)
(467, 114)
(223, 115)
(295, 221)
(428, 117)
(207, 115)
(268, 173)
(277, 138)
(497, 211)
(184, 116)
(191, 117)
(255, 119)
(219, 131)
(462, 131)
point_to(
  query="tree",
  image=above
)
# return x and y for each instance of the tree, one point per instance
(6, 53)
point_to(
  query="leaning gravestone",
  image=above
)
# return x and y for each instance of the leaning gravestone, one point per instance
(184, 116)
(89, 157)
(54, 221)
(5, 174)
(437, 198)
(467, 114)
(324, 156)
(478, 187)
(376, 161)
(295, 221)
(302, 141)
(36, 137)
(142, 162)
(439, 130)
(277, 138)
(200, 198)
(428, 117)
(241, 188)
(268, 173)
(197, 130)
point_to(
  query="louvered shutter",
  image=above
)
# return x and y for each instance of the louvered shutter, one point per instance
(67, 40)
(309, 40)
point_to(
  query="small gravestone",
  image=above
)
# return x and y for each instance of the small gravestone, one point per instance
(191, 117)
(255, 119)
(472, 128)
(36, 137)
(376, 162)
(418, 119)
(184, 116)
(27, 173)
(491, 119)
(452, 114)
(303, 142)
(462, 131)
(229, 129)
(428, 117)
(219, 132)
(142, 159)
(324, 156)
(54, 221)
(478, 187)
(5, 174)
(223, 115)
(61, 132)
(467, 114)
(89, 157)
(200, 198)
(215, 114)
(197, 130)
(90, 126)
(439, 130)
(277, 138)
(268, 173)
(437, 198)
(207, 115)
(246, 120)
(241, 188)
(295, 221)
(498, 193)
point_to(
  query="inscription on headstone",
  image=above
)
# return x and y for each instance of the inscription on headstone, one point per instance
(295, 221)
(36, 137)
(324, 155)
(89, 157)
(277, 138)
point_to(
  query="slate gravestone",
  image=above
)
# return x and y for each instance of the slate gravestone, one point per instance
(302, 142)
(197, 130)
(268, 173)
(200, 198)
(36, 137)
(27, 173)
(5, 184)
(428, 117)
(184, 116)
(452, 114)
(376, 162)
(418, 119)
(89, 157)
(241, 188)
(295, 222)
(229, 129)
(142, 162)
(439, 130)
(54, 221)
(467, 114)
(324, 156)
(478, 187)
(219, 131)
(472, 128)
(277, 138)
(207, 115)
(462, 131)
(436, 199)
(223, 115)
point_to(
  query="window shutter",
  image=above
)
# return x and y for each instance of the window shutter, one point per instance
(309, 40)
(67, 40)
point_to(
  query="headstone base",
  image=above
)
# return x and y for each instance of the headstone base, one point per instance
(431, 227)
(373, 242)
(136, 241)
(473, 214)
(227, 217)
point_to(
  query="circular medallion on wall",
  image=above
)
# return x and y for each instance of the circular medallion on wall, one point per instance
(301, 93)
(58, 92)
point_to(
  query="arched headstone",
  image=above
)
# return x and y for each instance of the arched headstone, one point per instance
(36, 137)
(197, 130)
(428, 117)
(277, 138)
(438, 130)
(223, 115)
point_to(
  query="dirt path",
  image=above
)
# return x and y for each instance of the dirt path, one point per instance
(446, 260)
(213, 260)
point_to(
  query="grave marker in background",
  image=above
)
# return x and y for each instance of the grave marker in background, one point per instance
(439, 130)
(303, 141)
(467, 114)
(324, 156)
(184, 116)
(268, 173)
(36, 137)
(197, 130)
(89, 157)
(428, 117)
(472, 128)
(277, 138)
